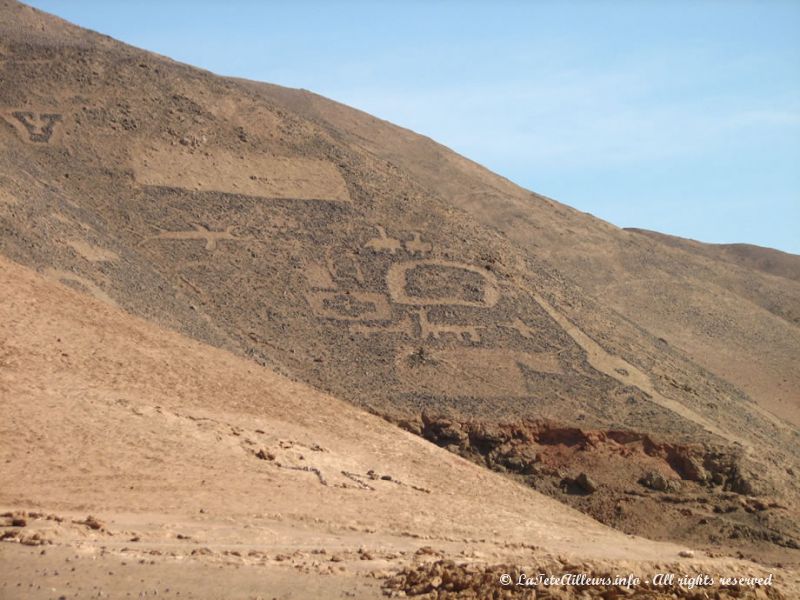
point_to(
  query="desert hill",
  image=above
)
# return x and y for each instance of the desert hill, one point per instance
(187, 461)
(768, 260)
(718, 304)
(387, 271)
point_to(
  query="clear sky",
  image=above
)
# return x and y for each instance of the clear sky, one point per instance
(679, 116)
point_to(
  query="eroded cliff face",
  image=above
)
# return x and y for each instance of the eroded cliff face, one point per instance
(700, 494)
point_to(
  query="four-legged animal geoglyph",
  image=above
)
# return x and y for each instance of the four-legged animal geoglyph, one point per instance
(417, 247)
(383, 243)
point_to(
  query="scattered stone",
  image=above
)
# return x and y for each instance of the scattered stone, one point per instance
(93, 523)
(33, 540)
(694, 470)
(264, 455)
(656, 481)
(586, 483)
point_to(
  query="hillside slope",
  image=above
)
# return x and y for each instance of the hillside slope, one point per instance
(204, 457)
(210, 207)
(767, 260)
(722, 306)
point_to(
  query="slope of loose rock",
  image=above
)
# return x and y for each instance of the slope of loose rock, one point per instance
(723, 306)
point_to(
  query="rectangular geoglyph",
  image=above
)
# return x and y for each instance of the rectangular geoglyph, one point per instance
(248, 173)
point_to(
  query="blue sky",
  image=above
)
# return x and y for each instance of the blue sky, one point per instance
(679, 116)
